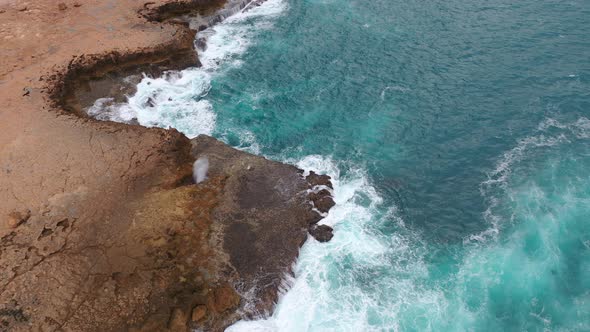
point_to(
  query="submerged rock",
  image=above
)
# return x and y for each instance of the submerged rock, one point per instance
(201, 44)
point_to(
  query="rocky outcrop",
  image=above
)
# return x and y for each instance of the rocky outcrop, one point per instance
(322, 233)
(261, 222)
(182, 255)
(102, 227)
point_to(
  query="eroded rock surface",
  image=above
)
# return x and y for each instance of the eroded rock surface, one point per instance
(261, 221)
(101, 225)
(322, 233)
(177, 255)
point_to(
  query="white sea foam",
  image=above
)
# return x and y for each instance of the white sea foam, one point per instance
(200, 168)
(368, 281)
(178, 99)
(393, 88)
(550, 132)
(339, 285)
(247, 140)
(322, 297)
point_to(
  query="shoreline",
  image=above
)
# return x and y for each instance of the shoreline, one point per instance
(103, 228)
(115, 74)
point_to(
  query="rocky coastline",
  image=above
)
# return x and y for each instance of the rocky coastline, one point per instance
(103, 227)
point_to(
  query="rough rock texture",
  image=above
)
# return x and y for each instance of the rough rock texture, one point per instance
(101, 226)
(322, 233)
(320, 179)
(263, 218)
(322, 200)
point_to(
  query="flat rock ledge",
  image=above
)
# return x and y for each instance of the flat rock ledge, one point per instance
(102, 227)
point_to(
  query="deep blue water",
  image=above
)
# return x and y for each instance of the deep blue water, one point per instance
(457, 133)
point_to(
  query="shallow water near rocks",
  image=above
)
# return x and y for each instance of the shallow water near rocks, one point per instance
(458, 136)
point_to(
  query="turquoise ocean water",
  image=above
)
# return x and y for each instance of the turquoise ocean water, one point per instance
(458, 136)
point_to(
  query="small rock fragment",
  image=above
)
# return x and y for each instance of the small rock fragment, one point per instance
(150, 102)
(319, 180)
(16, 218)
(322, 233)
(12, 222)
(177, 320)
(322, 200)
(199, 312)
(223, 298)
(62, 6)
(201, 43)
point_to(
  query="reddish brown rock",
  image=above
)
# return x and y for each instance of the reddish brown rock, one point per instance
(263, 218)
(223, 298)
(322, 233)
(199, 312)
(16, 218)
(117, 237)
(178, 320)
